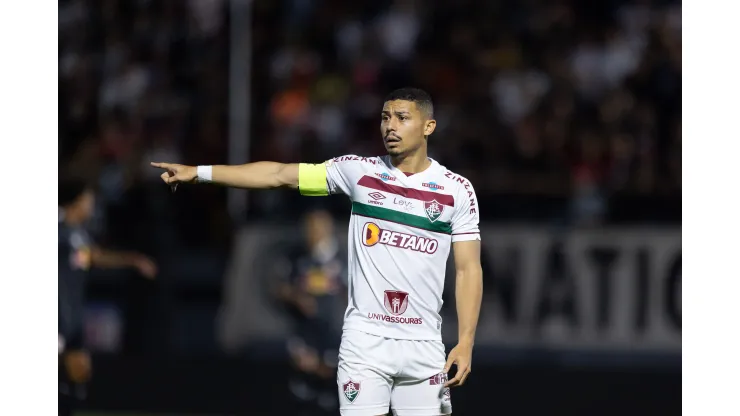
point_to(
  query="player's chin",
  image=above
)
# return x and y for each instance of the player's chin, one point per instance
(393, 150)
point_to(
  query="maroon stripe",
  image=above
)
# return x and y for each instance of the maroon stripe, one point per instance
(425, 196)
(477, 232)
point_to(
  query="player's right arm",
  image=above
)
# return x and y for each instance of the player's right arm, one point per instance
(258, 175)
(311, 179)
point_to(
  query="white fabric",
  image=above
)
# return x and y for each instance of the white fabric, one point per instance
(396, 263)
(376, 373)
(205, 173)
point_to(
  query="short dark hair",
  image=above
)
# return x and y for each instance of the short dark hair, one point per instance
(422, 99)
(71, 189)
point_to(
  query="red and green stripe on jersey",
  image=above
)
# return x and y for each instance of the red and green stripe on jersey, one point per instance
(404, 218)
(418, 194)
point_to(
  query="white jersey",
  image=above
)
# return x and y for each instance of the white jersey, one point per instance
(400, 234)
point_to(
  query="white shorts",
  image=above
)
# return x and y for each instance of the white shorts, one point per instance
(376, 373)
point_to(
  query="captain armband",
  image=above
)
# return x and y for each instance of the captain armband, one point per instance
(312, 179)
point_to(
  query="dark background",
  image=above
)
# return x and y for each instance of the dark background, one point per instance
(565, 115)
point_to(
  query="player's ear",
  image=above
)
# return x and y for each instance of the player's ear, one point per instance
(429, 127)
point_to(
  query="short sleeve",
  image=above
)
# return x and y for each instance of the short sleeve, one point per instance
(341, 174)
(466, 218)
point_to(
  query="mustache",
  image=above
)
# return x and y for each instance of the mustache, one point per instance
(393, 134)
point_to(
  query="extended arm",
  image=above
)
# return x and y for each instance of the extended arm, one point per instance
(112, 259)
(258, 175)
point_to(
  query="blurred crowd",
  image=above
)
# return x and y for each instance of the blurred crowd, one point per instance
(140, 81)
(534, 98)
(561, 109)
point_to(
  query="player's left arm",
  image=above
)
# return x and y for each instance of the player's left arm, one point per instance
(468, 281)
(113, 259)
(468, 294)
(468, 288)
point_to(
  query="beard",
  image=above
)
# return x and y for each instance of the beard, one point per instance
(394, 152)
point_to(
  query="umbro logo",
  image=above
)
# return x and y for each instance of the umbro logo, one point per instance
(376, 195)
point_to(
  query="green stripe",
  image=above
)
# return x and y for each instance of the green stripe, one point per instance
(401, 218)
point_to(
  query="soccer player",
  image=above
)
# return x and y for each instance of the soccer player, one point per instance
(77, 254)
(407, 212)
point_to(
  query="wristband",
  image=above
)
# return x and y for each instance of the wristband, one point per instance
(205, 173)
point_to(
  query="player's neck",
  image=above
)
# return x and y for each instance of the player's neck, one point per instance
(412, 163)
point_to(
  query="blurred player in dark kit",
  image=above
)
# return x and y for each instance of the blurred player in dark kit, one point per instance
(77, 254)
(312, 289)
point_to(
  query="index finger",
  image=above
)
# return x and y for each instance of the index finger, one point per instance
(162, 165)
